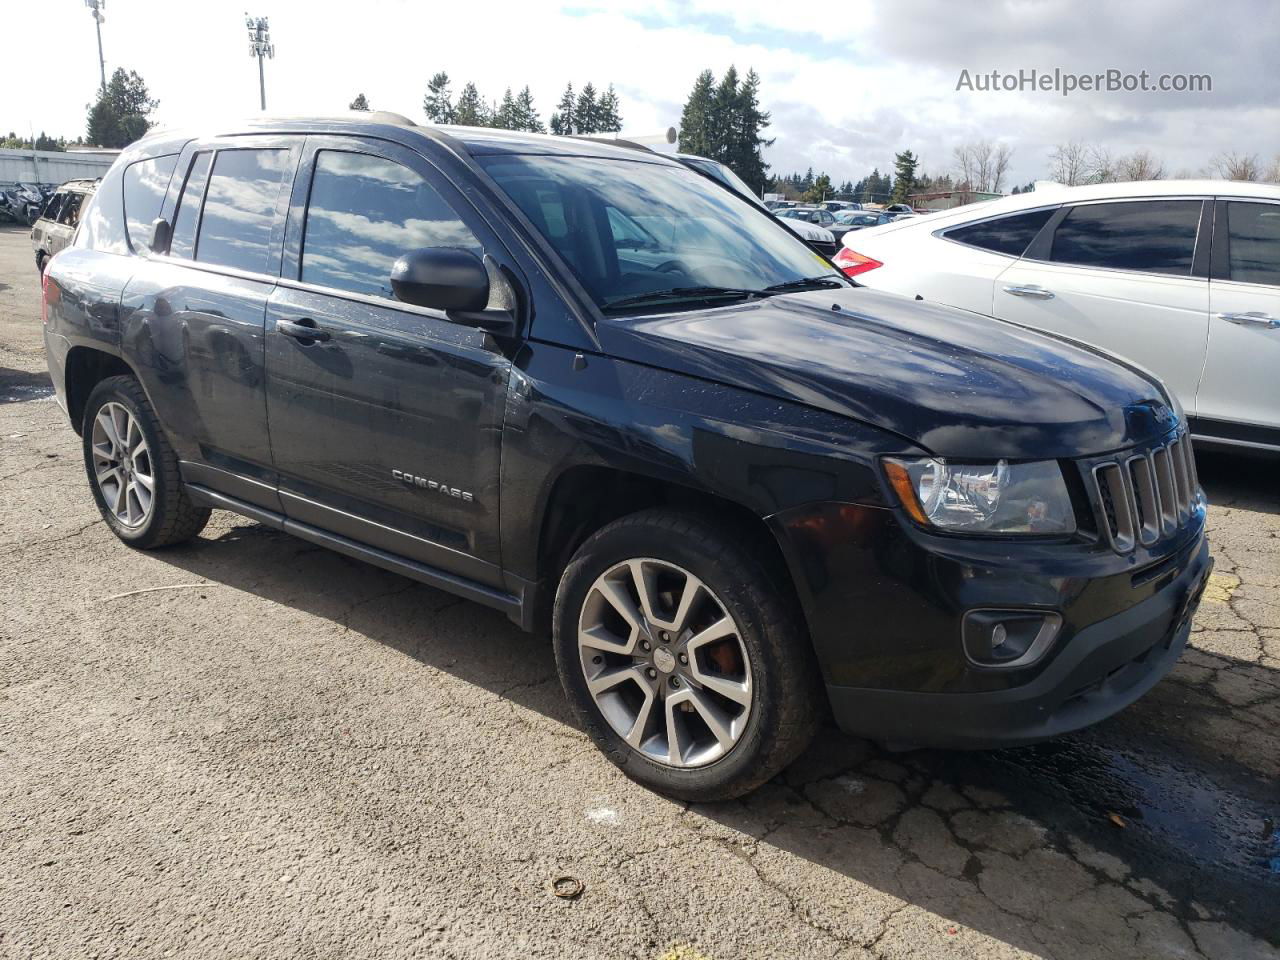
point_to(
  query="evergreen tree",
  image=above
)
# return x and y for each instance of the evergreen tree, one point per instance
(821, 189)
(905, 164)
(563, 120)
(610, 112)
(746, 157)
(359, 103)
(438, 103)
(586, 113)
(470, 111)
(507, 116)
(694, 120)
(121, 113)
(723, 123)
(528, 114)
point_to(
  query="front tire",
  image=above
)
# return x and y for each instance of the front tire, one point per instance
(683, 661)
(133, 470)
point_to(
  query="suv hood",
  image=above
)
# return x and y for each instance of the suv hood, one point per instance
(955, 383)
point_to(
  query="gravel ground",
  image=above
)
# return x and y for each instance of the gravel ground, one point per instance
(281, 752)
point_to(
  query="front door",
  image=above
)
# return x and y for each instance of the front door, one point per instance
(1119, 275)
(386, 424)
(1241, 382)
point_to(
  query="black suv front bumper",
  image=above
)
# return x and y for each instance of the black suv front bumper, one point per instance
(885, 603)
(1101, 670)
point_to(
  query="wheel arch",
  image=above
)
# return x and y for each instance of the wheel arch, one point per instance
(86, 367)
(587, 497)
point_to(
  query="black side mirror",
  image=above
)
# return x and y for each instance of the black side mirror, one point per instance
(161, 234)
(441, 278)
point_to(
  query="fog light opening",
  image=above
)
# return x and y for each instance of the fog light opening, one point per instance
(1008, 639)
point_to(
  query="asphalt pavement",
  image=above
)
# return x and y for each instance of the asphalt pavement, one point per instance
(248, 746)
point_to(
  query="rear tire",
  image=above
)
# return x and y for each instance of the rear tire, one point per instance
(683, 661)
(133, 471)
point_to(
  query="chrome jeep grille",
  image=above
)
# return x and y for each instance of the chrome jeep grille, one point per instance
(1146, 495)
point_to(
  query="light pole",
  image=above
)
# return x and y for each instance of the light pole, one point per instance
(95, 6)
(260, 46)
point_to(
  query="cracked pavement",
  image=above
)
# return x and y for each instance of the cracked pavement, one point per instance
(286, 753)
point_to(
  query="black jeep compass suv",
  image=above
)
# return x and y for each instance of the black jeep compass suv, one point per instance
(588, 387)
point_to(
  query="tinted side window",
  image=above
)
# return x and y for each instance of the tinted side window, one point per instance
(145, 184)
(240, 208)
(1007, 235)
(1155, 236)
(365, 212)
(183, 242)
(1254, 233)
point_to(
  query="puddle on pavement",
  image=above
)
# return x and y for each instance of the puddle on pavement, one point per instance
(1211, 835)
(16, 387)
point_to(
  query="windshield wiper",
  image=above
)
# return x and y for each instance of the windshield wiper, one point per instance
(806, 283)
(684, 293)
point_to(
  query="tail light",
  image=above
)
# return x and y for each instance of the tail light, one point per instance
(854, 263)
(49, 293)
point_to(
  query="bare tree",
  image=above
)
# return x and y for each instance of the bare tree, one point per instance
(1273, 175)
(1237, 166)
(1140, 165)
(1101, 167)
(1069, 163)
(982, 165)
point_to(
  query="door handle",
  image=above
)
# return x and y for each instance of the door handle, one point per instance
(1030, 290)
(302, 329)
(1254, 318)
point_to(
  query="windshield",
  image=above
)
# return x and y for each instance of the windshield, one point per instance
(638, 234)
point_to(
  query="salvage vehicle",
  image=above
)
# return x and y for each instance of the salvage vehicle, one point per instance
(739, 491)
(59, 218)
(1182, 277)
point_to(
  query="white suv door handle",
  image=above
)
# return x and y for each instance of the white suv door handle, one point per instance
(1254, 318)
(1030, 290)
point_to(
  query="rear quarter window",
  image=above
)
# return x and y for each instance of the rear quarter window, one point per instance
(145, 185)
(102, 226)
(1007, 235)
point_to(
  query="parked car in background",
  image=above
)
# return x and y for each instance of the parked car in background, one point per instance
(835, 206)
(1181, 277)
(861, 219)
(59, 218)
(900, 210)
(824, 241)
(836, 223)
(740, 493)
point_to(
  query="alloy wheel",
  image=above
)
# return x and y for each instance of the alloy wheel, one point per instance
(122, 465)
(665, 663)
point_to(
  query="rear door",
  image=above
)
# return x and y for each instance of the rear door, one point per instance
(386, 427)
(1241, 382)
(1122, 275)
(199, 310)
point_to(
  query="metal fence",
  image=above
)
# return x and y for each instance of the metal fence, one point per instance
(49, 166)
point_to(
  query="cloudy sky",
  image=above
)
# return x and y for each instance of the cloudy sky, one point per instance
(868, 78)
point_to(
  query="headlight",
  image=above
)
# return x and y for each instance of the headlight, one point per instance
(998, 497)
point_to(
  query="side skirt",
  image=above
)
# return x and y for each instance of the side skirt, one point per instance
(514, 605)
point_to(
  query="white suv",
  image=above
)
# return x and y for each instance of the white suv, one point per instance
(1180, 277)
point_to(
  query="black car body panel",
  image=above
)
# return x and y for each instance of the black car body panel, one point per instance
(464, 458)
(956, 383)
